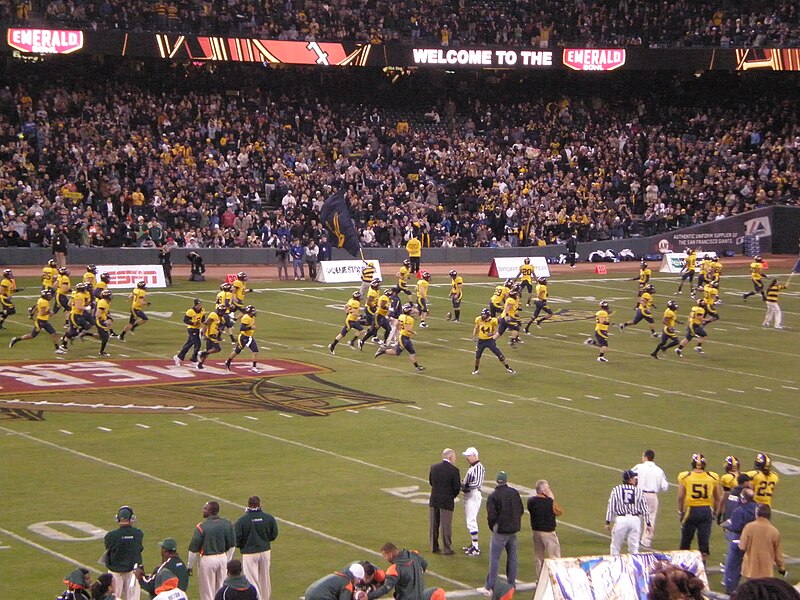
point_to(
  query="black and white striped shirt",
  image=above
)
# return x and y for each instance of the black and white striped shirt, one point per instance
(627, 499)
(473, 480)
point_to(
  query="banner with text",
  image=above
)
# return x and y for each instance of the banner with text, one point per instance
(508, 267)
(127, 276)
(344, 271)
(719, 236)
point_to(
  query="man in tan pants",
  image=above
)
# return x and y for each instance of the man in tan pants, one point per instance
(213, 541)
(544, 509)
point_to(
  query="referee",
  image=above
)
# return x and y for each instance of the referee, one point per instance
(626, 506)
(471, 486)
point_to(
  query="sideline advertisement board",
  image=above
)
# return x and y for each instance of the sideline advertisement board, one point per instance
(127, 276)
(508, 267)
(344, 271)
(620, 577)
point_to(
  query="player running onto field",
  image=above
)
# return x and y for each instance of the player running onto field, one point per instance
(485, 333)
(63, 289)
(212, 331)
(525, 276)
(456, 294)
(351, 322)
(193, 319)
(7, 288)
(600, 331)
(644, 277)
(540, 305)
(247, 328)
(644, 310)
(757, 277)
(688, 270)
(711, 298)
(42, 322)
(403, 275)
(406, 332)
(509, 319)
(695, 329)
(422, 297)
(669, 338)
(138, 298)
(49, 278)
(103, 320)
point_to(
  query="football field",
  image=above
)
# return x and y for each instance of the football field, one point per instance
(339, 447)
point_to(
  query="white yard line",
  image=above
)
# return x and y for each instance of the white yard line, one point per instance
(44, 549)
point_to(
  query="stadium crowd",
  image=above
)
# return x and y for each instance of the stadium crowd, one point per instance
(182, 162)
(546, 23)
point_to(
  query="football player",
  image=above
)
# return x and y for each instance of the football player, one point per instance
(138, 298)
(246, 339)
(90, 277)
(351, 321)
(695, 329)
(403, 276)
(727, 482)
(600, 331)
(644, 310)
(224, 299)
(456, 295)
(757, 277)
(371, 311)
(49, 279)
(485, 333)
(688, 270)
(212, 332)
(509, 319)
(540, 305)
(102, 284)
(193, 319)
(395, 310)
(77, 308)
(525, 275)
(711, 298)
(381, 317)
(644, 276)
(7, 288)
(698, 495)
(497, 301)
(764, 479)
(42, 322)
(239, 290)
(63, 289)
(422, 297)
(705, 275)
(669, 337)
(103, 320)
(406, 331)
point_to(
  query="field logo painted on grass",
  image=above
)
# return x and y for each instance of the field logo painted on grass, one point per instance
(151, 386)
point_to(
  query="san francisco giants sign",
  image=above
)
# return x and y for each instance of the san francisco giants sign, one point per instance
(153, 386)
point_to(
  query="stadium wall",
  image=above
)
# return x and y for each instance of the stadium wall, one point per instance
(778, 228)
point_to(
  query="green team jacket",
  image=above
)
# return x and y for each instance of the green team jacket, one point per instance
(212, 536)
(254, 530)
(405, 575)
(124, 548)
(336, 586)
(176, 565)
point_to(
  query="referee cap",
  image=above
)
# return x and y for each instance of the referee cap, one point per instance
(471, 451)
(628, 475)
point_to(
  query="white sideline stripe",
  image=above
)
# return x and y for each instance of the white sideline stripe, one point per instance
(622, 395)
(251, 418)
(64, 431)
(179, 423)
(53, 553)
(790, 387)
(203, 494)
(737, 391)
(285, 415)
(445, 405)
(593, 397)
(650, 394)
(475, 403)
(564, 398)
(104, 429)
(415, 407)
(505, 401)
(763, 389)
(708, 392)
(143, 426)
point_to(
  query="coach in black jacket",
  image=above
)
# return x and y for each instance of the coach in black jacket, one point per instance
(445, 480)
(504, 510)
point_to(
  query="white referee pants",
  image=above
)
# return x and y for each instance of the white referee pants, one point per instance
(648, 533)
(626, 527)
(211, 572)
(472, 506)
(773, 313)
(256, 568)
(126, 586)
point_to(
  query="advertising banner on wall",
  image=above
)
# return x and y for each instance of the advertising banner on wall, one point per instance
(719, 236)
(508, 267)
(127, 276)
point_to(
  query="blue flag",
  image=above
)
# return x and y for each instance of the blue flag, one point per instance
(335, 215)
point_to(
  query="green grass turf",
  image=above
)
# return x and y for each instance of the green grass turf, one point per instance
(563, 417)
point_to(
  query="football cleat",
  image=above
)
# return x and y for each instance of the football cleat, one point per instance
(423, 324)
(655, 355)
(199, 366)
(12, 342)
(105, 354)
(679, 352)
(475, 372)
(448, 316)
(176, 360)
(510, 372)
(380, 351)
(419, 368)
(602, 359)
(330, 349)
(699, 350)
(655, 335)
